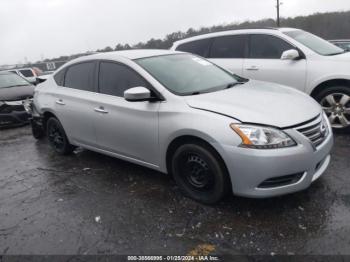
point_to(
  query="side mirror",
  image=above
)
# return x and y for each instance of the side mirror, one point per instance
(136, 94)
(291, 54)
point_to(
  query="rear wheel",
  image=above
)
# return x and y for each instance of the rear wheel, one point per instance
(57, 137)
(335, 101)
(200, 173)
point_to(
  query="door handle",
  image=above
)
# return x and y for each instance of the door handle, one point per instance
(101, 109)
(60, 102)
(252, 68)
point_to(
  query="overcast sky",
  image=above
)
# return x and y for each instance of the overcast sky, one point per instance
(32, 29)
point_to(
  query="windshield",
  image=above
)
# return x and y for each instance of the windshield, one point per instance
(185, 74)
(315, 43)
(11, 79)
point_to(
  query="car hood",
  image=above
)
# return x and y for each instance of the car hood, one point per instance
(16, 93)
(345, 57)
(260, 103)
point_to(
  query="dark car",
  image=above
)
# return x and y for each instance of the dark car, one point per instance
(13, 91)
(345, 44)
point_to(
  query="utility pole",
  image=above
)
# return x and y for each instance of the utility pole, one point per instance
(278, 13)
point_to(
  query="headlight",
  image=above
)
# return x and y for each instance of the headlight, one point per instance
(260, 137)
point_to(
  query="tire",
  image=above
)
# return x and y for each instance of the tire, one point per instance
(335, 101)
(57, 137)
(200, 173)
(37, 131)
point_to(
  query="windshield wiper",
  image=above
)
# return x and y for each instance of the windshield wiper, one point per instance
(230, 85)
(338, 53)
(18, 85)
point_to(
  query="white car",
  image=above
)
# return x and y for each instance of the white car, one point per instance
(286, 56)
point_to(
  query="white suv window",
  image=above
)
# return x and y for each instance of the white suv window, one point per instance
(315, 43)
(267, 47)
(198, 47)
(232, 46)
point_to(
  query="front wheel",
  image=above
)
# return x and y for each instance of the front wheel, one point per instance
(200, 173)
(57, 137)
(335, 101)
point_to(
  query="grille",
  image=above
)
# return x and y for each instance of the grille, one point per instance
(315, 130)
(281, 181)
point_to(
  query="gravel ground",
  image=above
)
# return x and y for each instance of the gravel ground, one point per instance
(88, 203)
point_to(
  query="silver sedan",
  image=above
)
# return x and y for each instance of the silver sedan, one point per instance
(177, 113)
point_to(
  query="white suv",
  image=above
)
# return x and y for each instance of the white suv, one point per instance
(286, 56)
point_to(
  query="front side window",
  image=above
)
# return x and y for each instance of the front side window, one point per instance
(185, 74)
(315, 43)
(80, 76)
(198, 47)
(228, 47)
(115, 78)
(267, 47)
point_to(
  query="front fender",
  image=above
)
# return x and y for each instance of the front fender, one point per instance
(208, 126)
(331, 77)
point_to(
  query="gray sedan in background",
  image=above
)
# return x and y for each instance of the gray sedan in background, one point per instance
(181, 114)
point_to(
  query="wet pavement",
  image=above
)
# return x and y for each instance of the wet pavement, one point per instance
(88, 203)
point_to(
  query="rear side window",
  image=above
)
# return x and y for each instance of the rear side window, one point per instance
(114, 79)
(27, 73)
(267, 47)
(232, 46)
(59, 77)
(199, 47)
(80, 76)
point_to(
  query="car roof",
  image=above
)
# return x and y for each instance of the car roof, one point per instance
(129, 54)
(235, 32)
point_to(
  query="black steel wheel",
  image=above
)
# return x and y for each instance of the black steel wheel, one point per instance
(57, 137)
(200, 173)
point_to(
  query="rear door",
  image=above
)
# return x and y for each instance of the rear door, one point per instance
(75, 102)
(129, 129)
(264, 62)
(229, 52)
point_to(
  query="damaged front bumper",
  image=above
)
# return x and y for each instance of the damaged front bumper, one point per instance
(35, 119)
(13, 114)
